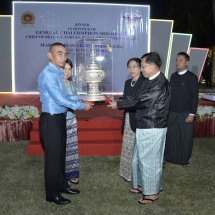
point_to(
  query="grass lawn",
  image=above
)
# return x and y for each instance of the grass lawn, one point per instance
(187, 190)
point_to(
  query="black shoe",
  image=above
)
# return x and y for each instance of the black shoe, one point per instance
(59, 200)
(70, 191)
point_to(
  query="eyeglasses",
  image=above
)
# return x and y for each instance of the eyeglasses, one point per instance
(144, 65)
(133, 67)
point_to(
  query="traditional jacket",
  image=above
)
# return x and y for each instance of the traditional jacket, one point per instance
(151, 103)
(130, 91)
(184, 91)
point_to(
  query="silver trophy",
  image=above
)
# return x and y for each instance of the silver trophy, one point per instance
(93, 76)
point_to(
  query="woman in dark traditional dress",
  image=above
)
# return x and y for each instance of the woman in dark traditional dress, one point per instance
(128, 127)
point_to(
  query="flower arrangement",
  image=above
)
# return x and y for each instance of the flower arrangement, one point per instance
(18, 112)
(204, 112)
(201, 95)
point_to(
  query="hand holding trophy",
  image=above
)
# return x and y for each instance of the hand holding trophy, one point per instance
(112, 105)
(88, 106)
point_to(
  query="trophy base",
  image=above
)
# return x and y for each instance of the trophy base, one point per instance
(95, 98)
(98, 103)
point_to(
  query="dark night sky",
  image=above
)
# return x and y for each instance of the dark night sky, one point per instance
(190, 16)
(156, 5)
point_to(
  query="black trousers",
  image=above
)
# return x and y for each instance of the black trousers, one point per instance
(53, 135)
(208, 82)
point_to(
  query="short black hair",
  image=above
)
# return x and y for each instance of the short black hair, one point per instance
(187, 57)
(69, 62)
(137, 60)
(56, 44)
(152, 57)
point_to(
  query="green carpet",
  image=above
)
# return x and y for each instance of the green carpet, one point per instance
(187, 190)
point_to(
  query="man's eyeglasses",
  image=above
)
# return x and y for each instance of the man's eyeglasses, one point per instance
(144, 65)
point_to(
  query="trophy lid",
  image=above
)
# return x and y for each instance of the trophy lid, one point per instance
(93, 65)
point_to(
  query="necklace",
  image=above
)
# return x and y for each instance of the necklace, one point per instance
(133, 83)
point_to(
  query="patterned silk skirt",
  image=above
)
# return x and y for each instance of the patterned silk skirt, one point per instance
(127, 150)
(72, 157)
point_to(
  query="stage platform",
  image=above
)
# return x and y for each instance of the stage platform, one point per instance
(99, 129)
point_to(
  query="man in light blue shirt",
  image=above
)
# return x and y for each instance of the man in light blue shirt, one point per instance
(55, 102)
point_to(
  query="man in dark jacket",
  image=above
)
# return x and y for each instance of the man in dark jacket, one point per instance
(151, 103)
(183, 107)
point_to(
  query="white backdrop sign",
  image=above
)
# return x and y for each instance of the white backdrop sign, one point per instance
(37, 25)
